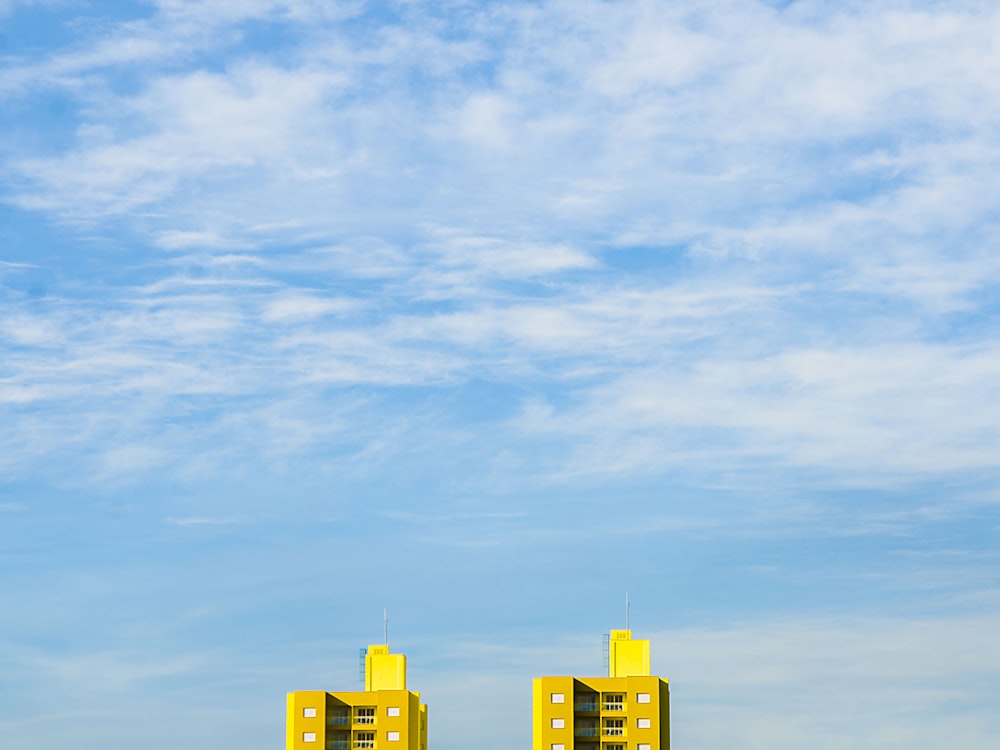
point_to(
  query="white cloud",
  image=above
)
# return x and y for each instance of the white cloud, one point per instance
(868, 683)
(29, 330)
(202, 521)
(663, 155)
(201, 123)
(884, 413)
(228, 12)
(483, 121)
(646, 370)
(182, 240)
(307, 307)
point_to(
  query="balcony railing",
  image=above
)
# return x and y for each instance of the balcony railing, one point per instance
(364, 719)
(338, 745)
(614, 706)
(614, 732)
(360, 744)
(585, 731)
(585, 707)
(338, 719)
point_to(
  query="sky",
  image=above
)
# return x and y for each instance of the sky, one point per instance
(488, 313)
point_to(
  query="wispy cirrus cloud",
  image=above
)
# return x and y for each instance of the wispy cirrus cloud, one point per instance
(882, 412)
(202, 124)
(649, 367)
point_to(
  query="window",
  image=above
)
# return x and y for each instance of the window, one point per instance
(558, 698)
(309, 713)
(392, 736)
(308, 736)
(614, 702)
(643, 723)
(392, 711)
(558, 723)
(614, 727)
(642, 697)
(365, 740)
(558, 746)
(643, 746)
(364, 716)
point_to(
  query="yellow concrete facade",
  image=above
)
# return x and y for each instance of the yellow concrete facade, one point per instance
(384, 716)
(627, 710)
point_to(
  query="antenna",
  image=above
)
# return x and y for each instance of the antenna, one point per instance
(626, 610)
(385, 626)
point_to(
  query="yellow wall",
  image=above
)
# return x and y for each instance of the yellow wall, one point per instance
(627, 657)
(664, 715)
(384, 671)
(544, 735)
(422, 737)
(296, 724)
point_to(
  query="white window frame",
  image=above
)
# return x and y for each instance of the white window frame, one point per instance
(309, 713)
(392, 711)
(308, 736)
(558, 746)
(642, 723)
(642, 697)
(643, 746)
(557, 697)
(558, 723)
(392, 736)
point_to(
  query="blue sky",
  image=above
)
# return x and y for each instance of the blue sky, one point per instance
(488, 312)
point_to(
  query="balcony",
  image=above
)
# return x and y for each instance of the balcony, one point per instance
(614, 731)
(364, 719)
(338, 745)
(585, 707)
(585, 731)
(338, 720)
(362, 744)
(613, 702)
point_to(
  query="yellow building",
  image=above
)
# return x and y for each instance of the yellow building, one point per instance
(627, 710)
(385, 716)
